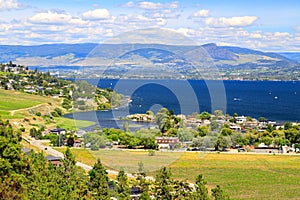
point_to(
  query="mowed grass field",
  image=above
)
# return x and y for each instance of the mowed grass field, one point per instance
(243, 176)
(15, 105)
(14, 101)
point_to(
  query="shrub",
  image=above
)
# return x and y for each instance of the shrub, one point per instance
(38, 114)
(151, 152)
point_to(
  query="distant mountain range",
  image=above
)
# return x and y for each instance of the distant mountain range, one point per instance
(159, 61)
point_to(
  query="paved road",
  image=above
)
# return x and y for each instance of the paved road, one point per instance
(39, 144)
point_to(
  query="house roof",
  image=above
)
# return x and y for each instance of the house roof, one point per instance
(26, 150)
(57, 130)
(135, 190)
(52, 158)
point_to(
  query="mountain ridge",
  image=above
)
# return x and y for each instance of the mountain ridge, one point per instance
(232, 62)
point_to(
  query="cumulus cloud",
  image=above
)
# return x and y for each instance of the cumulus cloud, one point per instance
(9, 4)
(186, 31)
(50, 18)
(231, 22)
(256, 35)
(201, 13)
(96, 14)
(130, 4)
(173, 5)
(281, 34)
(147, 5)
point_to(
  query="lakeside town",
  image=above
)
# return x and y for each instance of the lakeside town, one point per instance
(42, 128)
(199, 131)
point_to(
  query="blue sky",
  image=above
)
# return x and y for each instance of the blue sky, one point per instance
(263, 25)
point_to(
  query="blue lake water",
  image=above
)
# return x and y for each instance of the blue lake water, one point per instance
(274, 100)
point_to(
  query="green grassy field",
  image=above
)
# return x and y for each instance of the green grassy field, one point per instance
(243, 176)
(12, 100)
(19, 103)
(72, 124)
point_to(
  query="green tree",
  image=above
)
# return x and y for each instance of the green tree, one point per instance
(226, 131)
(185, 134)
(288, 125)
(261, 119)
(219, 194)
(163, 184)
(182, 190)
(73, 178)
(69, 162)
(142, 182)
(203, 130)
(150, 112)
(13, 164)
(218, 113)
(220, 143)
(99, 181)
(205, 115)
(201, 190)
(122, 186)
(163, 119)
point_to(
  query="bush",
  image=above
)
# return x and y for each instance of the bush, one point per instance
(38, 114)
(54, 114)
(58, 111)
(151, 152)
(94, 148)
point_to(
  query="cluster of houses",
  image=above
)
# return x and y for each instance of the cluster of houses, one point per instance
(77, 142)
(241, 123)
(24, 83)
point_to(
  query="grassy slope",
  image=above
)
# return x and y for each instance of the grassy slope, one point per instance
(243, 176)
(10, 100)
(21, 103)
(13, 100)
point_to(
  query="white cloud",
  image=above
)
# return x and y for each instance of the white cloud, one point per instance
(9, 4)
(96, 14)
(281, 34)
(147, 5)
(173, 5)
(50, 18)
(141, 18)
(78, 21)
(231, 22)
(129, 4)
(256, 35)
(201, 13)
(161, 21)
(5, 27)
(186, 31)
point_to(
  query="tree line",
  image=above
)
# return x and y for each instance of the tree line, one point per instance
(30, 176)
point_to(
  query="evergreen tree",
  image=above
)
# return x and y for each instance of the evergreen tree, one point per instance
(73, 181)
(122, 186)
(39, 177)
(13, 163)
(183, 190)
(201, 190)
(162, 184)
(99, 181)
(219, 194)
